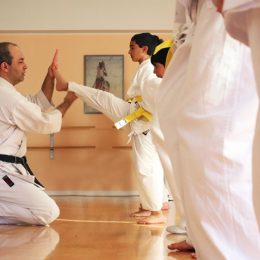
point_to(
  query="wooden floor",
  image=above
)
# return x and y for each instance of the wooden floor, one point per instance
(92, 228)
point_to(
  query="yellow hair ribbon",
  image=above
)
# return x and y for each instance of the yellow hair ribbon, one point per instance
(165, 44)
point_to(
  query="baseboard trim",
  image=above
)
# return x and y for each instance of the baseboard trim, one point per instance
(94, 193)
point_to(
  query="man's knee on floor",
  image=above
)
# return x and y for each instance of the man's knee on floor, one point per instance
(46, 214)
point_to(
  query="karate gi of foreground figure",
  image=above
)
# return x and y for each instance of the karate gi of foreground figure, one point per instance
(242, 20)
(149, 172)
(207, 109)
(22, 199)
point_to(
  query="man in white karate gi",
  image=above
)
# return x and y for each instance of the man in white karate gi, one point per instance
(22, 199)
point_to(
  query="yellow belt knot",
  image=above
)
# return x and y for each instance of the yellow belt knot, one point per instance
(139, 113)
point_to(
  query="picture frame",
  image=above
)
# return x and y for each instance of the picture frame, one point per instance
(105, 72)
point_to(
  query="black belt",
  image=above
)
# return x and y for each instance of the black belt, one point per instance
(19, 160)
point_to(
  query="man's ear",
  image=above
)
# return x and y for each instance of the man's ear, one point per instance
(4, 66)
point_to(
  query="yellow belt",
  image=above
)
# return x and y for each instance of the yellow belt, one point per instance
(139, 113)
(135, 99)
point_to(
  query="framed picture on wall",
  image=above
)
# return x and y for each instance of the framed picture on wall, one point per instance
(104, 72)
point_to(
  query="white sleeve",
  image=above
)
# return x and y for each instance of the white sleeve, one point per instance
(150, 88)
(29, 118)
(40, 99)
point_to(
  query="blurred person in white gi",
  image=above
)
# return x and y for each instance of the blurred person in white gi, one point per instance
(242, 20)
(22, 199)
(207, 109)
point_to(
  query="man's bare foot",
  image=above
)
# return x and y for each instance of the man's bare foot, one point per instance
(141, 213)
(181, 246)
(165, 206)
(61, 83)
(154, 218)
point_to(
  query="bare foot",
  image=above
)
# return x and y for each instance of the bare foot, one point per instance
(154, 218)
(54, 64)
(141, 213)
(61, 83)
(181, 246)
(165, 206)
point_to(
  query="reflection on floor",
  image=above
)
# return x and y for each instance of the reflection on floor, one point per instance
(93, 228)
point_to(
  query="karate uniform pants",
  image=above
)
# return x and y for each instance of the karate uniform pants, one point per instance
(244, 26)
(207, 116)
(169, 174)
(25, 203)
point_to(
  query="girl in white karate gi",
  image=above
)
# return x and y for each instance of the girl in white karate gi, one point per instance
(148, 169)
(207, 108)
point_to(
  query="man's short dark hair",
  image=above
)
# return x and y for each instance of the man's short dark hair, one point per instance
(5, 55)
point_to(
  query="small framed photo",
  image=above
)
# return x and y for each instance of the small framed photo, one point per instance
(104, 72)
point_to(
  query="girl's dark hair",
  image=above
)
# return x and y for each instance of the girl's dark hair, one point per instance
(5, 55)
(160, 56)
(147, 39)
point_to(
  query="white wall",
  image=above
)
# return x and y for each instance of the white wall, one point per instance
(85, 15)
